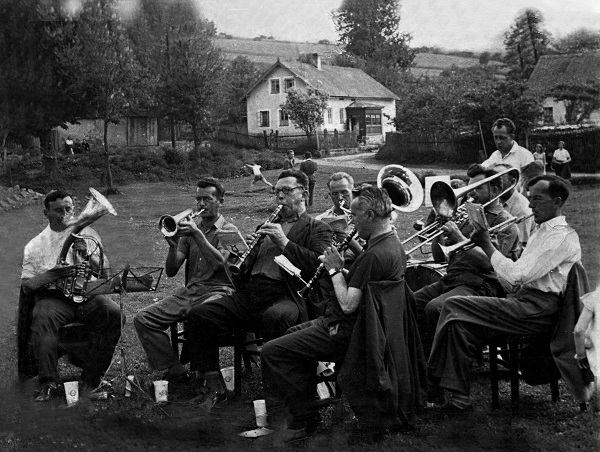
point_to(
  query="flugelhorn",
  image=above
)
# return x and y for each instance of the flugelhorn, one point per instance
(169, 225)
(445, 203)
(403, 187)
(236, 268)
(74, 287)
(468, 244)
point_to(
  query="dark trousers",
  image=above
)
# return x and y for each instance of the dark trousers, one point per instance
(102, 318)
(430, 300)
(467, 323)
(289, 363)
(311, 191)
(263, 306)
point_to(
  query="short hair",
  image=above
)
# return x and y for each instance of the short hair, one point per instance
(54, 195)
(300, 176)
(557, 186)
(505, 122)
(307, 155)
(474, 168)
(539, 145)
(206, 182)
(339, 176)
(533, 169)
(561, 142)
(375, 199)
(480, 171)
(289, 150)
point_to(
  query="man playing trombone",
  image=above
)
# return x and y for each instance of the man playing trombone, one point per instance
(267, 298)
(206, 275)
(540, 275)
(468, 272)
(40, 280)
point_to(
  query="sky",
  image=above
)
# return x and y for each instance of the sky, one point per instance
(475, 25)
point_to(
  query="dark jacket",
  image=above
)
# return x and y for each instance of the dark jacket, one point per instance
(384, 373)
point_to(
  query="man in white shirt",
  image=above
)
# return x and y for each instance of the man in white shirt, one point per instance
(508, 151)
(540, 274)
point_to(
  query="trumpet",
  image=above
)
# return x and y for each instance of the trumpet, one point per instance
(468, 244)
(169, 225)
(236, 268)
(321, 268)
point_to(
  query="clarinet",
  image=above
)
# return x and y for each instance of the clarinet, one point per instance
(321, 268)
(236, 268)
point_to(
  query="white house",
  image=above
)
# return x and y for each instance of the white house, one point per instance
(567, 69)
(356, 101)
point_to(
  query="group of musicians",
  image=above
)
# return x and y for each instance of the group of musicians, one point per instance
(509, 282)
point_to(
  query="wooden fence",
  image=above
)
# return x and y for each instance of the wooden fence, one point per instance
(430, 148)
(583, 145)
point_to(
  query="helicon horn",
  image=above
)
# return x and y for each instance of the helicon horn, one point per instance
(403, 187)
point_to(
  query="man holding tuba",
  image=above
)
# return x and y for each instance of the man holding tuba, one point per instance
(468, 272)
(40, 279)
(267, 299)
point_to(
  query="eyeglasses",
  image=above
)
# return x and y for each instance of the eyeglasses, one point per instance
(286, 190)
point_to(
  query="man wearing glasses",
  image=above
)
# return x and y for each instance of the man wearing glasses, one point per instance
(267, 298)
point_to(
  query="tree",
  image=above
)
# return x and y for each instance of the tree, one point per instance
(305, 109)
(525, 42)
(484, 58)
(100, 68)
(580, 99)
(580, 40)
(239, 75)
(368, 29)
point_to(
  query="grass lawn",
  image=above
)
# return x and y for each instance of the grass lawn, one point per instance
(137, 424)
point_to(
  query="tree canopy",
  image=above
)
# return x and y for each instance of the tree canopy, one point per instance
(580, 40)
(305, 109)
(580, 99)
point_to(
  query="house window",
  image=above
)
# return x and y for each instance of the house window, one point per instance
(373, 123)
(284, 119)
(342, 115)
(548, 115)
(288, 84)
(329, 116)
(275, 88)
(263, 119)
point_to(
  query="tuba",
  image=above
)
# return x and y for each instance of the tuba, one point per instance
(403, 187)
(75, 287)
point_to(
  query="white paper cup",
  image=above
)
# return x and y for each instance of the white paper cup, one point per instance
(161, 390)
(229, 378)
(128, 385)
(71, 392)
(260, 411)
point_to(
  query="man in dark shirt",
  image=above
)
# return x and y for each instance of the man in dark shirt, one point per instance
(289, 363)
(309, 168)
(468, 272)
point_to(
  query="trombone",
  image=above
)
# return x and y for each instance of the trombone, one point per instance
(468, 244)
(445, 204)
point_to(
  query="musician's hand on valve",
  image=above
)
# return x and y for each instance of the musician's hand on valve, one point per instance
(275, 233)
(481, 238)
(452, 233)
(331, 258)
(187, 227)
(80, 247)
(61, 271)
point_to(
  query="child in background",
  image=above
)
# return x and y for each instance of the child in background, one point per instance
(258, 176)
(587, 338)
(540, 156)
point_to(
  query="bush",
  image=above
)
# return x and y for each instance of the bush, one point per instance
(174, 156)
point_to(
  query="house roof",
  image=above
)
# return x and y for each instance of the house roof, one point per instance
(359, 104)
(336, 81)
(554, 70)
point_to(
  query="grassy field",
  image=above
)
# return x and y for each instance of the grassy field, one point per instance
(137, 424)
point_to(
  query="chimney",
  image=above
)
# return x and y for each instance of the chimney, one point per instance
(316, 60)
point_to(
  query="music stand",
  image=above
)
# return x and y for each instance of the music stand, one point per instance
(140, 279)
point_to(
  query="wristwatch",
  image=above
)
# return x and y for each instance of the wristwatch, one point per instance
(334, 271)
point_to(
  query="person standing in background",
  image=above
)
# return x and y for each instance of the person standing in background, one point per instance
(290, 161)
(540, 156)
(560, 161)
(309, 168)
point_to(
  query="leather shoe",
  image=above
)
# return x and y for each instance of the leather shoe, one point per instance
(46, 392)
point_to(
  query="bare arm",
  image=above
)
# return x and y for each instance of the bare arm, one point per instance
(349, 298)
(34, 283)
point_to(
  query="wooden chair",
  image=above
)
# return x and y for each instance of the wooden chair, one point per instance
(537, 358)
(245, 349)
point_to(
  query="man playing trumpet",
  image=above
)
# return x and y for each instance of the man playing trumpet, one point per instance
(468, 272)
(197, 244)
(267, 299)
(40, 280)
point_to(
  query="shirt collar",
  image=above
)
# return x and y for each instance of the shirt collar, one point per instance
(372, 242)
(219, 223)
(495, 209)
(554, 222)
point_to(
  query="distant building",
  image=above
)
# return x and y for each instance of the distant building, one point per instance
(570, 69)
(357, 102)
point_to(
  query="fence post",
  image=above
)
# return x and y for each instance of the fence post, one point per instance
(266, 138)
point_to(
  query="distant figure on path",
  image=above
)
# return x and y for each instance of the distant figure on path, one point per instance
(290, 161)
(309, 168)
(258, 176)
